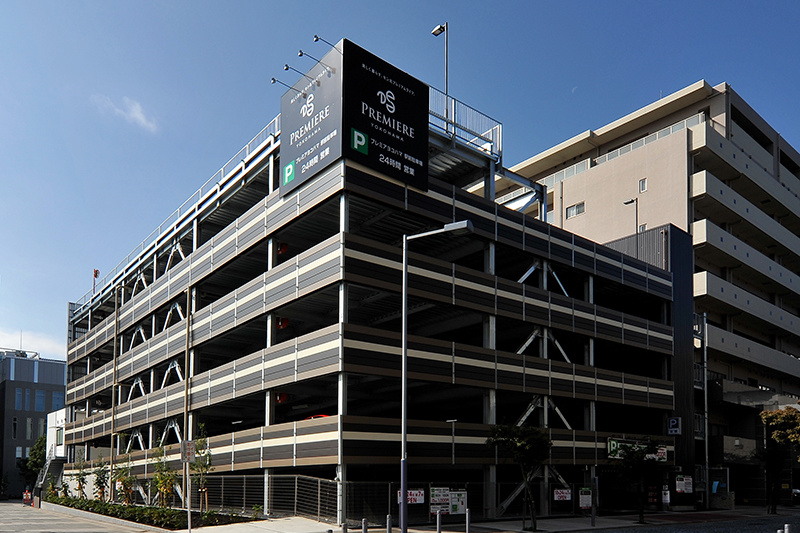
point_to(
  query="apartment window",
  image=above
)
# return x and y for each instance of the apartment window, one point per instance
(41, 428)
(642, 184)
(19, 452)
(27, 399)
(27, 451)
(14, 428)
(59, 436)
(38, 404)
(58, 401)
(575, 210)
(18, 400)
(642, 228)
(29, 428)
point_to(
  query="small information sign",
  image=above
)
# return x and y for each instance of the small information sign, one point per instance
(187, 451)
(585, 498)
(414, 496)
(458, 502)
(562, 495)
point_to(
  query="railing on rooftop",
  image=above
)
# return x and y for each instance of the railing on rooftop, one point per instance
(273, 128)
(446, 114)
(555, 178)
(660, 134)
(452, 117)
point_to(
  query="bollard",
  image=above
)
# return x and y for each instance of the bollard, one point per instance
(363, 525)
(388, 523)
(344, 527)
(787, 528)
(438, 521)
(467, 530)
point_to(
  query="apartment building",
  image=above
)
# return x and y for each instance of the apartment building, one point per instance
(30, 387)
(269, 309)
(703, 160)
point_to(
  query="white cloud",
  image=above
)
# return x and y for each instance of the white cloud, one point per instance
(48, 347)
(574, 89)
(131, 111)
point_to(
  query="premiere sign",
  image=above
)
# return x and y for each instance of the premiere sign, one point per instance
(355, 105)
(386, 117)
(311, 122)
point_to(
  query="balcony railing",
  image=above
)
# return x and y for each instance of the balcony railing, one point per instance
(104, 284)
(446, 115)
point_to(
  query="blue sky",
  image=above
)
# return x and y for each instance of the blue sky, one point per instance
(112, 113)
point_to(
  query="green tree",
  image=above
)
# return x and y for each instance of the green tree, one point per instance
(201, 465)
(81, 477)
(783, 425)
(165, 476)
(101, 479)
(783, 428)
(639, 463)
(50, 488)
(38, 455)
(126, 480)
(29, 468)
(528, 447)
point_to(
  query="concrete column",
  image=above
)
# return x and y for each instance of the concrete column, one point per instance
(195, 235)
(344, 213)
(341, 493)
(488, 182)
(341, 468)
(271, 253)
(271, 188)
(267, 473)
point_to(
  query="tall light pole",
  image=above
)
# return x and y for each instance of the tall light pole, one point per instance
(457, 228)
(438, 30)
(635, 202)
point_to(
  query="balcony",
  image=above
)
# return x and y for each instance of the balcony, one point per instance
(754, 396)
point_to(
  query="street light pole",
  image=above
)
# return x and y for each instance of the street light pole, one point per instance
(464, 226)
(635, 202)
(438, 30)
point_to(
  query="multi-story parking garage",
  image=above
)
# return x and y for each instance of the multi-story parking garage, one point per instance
(272, 316)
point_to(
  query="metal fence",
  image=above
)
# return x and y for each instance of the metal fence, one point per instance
(302, 496)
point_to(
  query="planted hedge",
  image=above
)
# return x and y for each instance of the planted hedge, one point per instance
(163, 517)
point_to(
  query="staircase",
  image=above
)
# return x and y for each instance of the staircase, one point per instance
(53, 467)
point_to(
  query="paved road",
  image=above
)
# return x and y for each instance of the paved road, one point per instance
(18, 518)
(720, 524)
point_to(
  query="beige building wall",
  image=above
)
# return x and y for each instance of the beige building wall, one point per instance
(604, 188)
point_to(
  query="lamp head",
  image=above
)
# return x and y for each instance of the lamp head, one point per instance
(285, 66)
(440, 29)
(461, 227)
(299, 53)
(273, 80)
(629, 202)
(316, 38)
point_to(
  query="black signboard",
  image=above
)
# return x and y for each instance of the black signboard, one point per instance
(311, 122)
(355, 105)
(385, 117)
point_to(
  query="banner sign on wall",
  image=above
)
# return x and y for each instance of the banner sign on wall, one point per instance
(385, 117)
(355, 105)
(311, 122)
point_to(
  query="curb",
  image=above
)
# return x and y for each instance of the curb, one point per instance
(47, 506)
